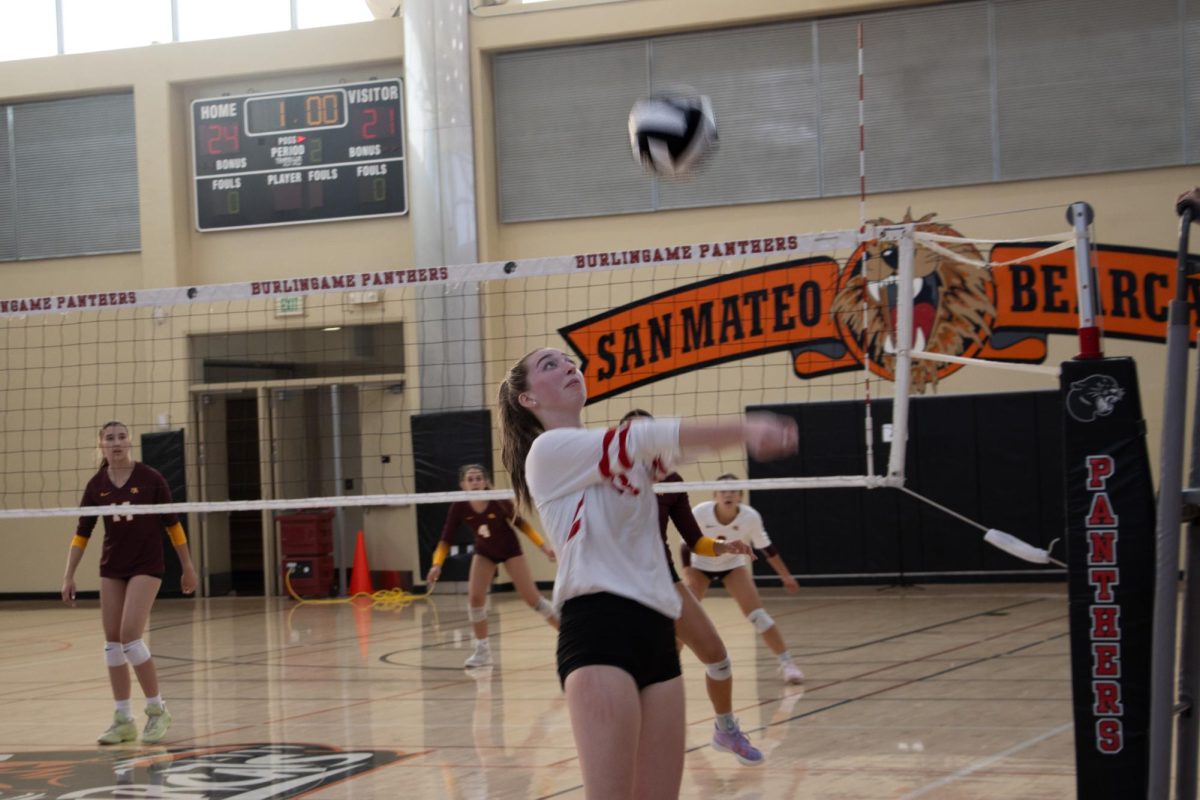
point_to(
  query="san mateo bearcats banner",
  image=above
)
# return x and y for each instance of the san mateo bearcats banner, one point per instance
(813, 308)
(1111, 569)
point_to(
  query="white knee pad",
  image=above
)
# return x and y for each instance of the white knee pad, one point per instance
(761, 620)
(720, 671)
(114, 656)
(544, 608)
(477, 613)
(136, 652)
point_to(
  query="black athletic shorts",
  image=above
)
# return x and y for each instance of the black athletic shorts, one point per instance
(126, 578)
(714, 575)
(609, 629)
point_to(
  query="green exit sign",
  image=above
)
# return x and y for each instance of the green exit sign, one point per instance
(289, 306)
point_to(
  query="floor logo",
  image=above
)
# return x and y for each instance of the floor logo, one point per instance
(239, 772)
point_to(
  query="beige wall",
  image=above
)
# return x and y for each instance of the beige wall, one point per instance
(1131, 209)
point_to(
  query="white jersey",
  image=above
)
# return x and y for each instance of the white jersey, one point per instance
(746, 526)
(594, 491)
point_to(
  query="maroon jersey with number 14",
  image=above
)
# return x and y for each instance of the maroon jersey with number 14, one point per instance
(132, 542)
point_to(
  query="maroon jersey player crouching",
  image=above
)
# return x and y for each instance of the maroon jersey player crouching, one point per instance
(131, 571)
(494, 523)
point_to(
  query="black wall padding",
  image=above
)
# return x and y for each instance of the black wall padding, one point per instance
(443, 442)
(947, 472)
(164, 451)
(996, 459)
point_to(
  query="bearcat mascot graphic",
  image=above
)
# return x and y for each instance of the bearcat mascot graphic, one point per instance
(954, 306)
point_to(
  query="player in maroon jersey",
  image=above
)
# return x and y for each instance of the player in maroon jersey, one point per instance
(131, 571)
(494, 523)
(694, 628)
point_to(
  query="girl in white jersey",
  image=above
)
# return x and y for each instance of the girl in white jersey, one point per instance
(727, 518)
(613, 592)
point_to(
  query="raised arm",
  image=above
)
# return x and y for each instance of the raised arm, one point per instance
(766, 436)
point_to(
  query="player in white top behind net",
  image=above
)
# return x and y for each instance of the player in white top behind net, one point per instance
(727, 519)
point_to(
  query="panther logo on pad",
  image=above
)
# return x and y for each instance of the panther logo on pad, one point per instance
(1093, 396)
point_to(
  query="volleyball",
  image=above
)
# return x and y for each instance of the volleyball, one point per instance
(672, 135)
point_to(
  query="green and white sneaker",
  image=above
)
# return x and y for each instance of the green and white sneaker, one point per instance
(157, 722)
(121, 730)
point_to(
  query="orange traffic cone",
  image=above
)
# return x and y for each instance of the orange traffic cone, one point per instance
(360, 576)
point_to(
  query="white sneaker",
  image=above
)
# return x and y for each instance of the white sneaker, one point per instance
(482, 657)
(792, 674)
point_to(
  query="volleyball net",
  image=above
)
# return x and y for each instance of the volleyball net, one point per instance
(302, 392)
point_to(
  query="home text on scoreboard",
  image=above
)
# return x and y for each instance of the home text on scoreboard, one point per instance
(289, 157)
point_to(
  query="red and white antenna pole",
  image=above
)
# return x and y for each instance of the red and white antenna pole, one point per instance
(868, 421)
(1080, 215)
(862, 139)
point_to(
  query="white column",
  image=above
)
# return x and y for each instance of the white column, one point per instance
(441, 179)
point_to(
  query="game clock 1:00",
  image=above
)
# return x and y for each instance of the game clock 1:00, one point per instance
(308, 155)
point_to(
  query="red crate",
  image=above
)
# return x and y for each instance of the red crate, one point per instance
(309, 534)
(311, 576)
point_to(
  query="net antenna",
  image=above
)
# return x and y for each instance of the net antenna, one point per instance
(902, 336)
(868, 419)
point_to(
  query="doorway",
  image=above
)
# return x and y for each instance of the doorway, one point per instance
(278, 417)
(310, 428)
(304, 427)
(244, 470)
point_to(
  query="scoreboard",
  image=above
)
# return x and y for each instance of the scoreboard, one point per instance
(314, 155)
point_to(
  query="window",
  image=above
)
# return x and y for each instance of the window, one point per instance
(68, 186)
(89, 26)
(214, 19)
(28, 29)
(956, 94)
(319, 13)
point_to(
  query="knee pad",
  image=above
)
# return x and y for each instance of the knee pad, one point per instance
(720, 671)
(114, 656)
(477, 613)
(136, 652)
(761, 620)
(544, 608)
